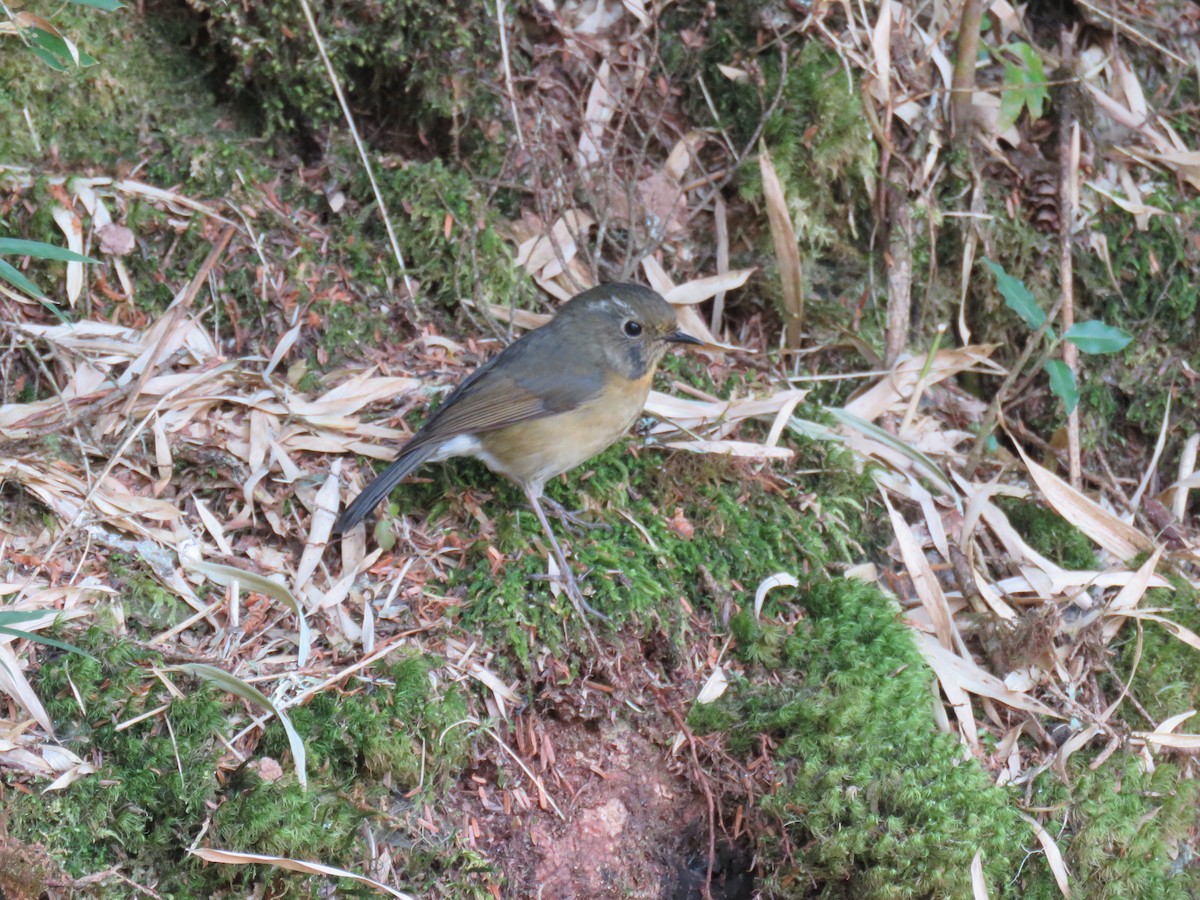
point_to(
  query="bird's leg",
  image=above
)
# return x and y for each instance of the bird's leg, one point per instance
(573, 521)
(566, 574)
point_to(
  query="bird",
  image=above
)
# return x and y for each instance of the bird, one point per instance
(547, 403)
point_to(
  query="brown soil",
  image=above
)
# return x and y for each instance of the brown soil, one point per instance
(633, 827)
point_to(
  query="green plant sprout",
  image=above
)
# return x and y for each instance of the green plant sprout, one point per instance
(1093, 337)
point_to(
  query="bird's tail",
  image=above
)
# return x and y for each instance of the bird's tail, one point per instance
(373, 493)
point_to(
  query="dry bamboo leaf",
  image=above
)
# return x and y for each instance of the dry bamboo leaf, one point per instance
(14, 683)
(734, 74)
(229, 857)
(1054, 858)
(72, 228)
(601, 104)
(970, 677)
(925, 582)
(742, 449)
(979, 889)
(213, 527)
(1186, 635)
(683, 154)
(894, 392)
(1176, 496)
(696, 414)
(881, 46)
(714, 687)
(324, 514)
(1174, 741)
(701, 289)
(522, 318)
(1130, 595)
(768, 584)
(1135, 207)
(1121, 540)
(281, 349)
(787, 249)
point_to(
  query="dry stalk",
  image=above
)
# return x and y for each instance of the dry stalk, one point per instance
(963, 83)
(1068, 190)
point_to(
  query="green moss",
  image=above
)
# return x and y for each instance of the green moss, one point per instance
(397, 725)
(1122, 830)
(158, 785)
(868, 798)
(414, 61)
(818, 137)
(1049, 533)
(740, 534)
(1167, 679)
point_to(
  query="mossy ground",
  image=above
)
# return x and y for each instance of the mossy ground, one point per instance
(167, 777)
(866, 797)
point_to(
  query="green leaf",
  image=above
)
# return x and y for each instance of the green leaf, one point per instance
(40, 250)
(106, 5)
(1062, 383)
(251, 694)
(1024, 86)
(16, 616)
(56, 51)
(1017, 297)
(10, 274)
(226, 575)
(1096, 337)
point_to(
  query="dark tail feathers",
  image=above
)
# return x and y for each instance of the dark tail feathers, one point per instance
(378, 489)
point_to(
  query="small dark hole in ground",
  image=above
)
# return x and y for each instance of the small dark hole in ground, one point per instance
(733, 874)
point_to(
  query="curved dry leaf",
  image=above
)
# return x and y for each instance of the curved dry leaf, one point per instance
(72, 228)
(1054, 858)
(252, 581)
(1118, 538)
(232, 684)
(714, 686)
(951, 668)
(14, 683)
(779, 579)
(230, 857)
(740, 449)
(699, 290)
(787, 249)
(928, 588)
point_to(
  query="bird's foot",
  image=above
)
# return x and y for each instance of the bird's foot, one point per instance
(574, 522)
(571, 586)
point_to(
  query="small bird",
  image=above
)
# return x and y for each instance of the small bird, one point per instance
(548, 402)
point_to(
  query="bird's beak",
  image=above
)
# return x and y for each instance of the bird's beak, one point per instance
(682, 337)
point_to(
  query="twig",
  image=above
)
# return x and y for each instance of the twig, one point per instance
(1068, 172)
(508, 82)
(899, 277)
(362, 154)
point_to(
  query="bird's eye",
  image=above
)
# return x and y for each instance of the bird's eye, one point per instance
(632, 328)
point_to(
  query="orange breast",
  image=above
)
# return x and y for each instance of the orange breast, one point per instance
(533, 452)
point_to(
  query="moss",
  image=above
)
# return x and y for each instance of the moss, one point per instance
(397, 725)
(740, 534)
(1156, 298)
(867, 797)
(1049, 533)
(818, 136)
(1122, 830)
(415, 64)
(159, 785)
(1167, 679)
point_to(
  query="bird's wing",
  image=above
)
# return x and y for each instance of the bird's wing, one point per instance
(515, 386)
